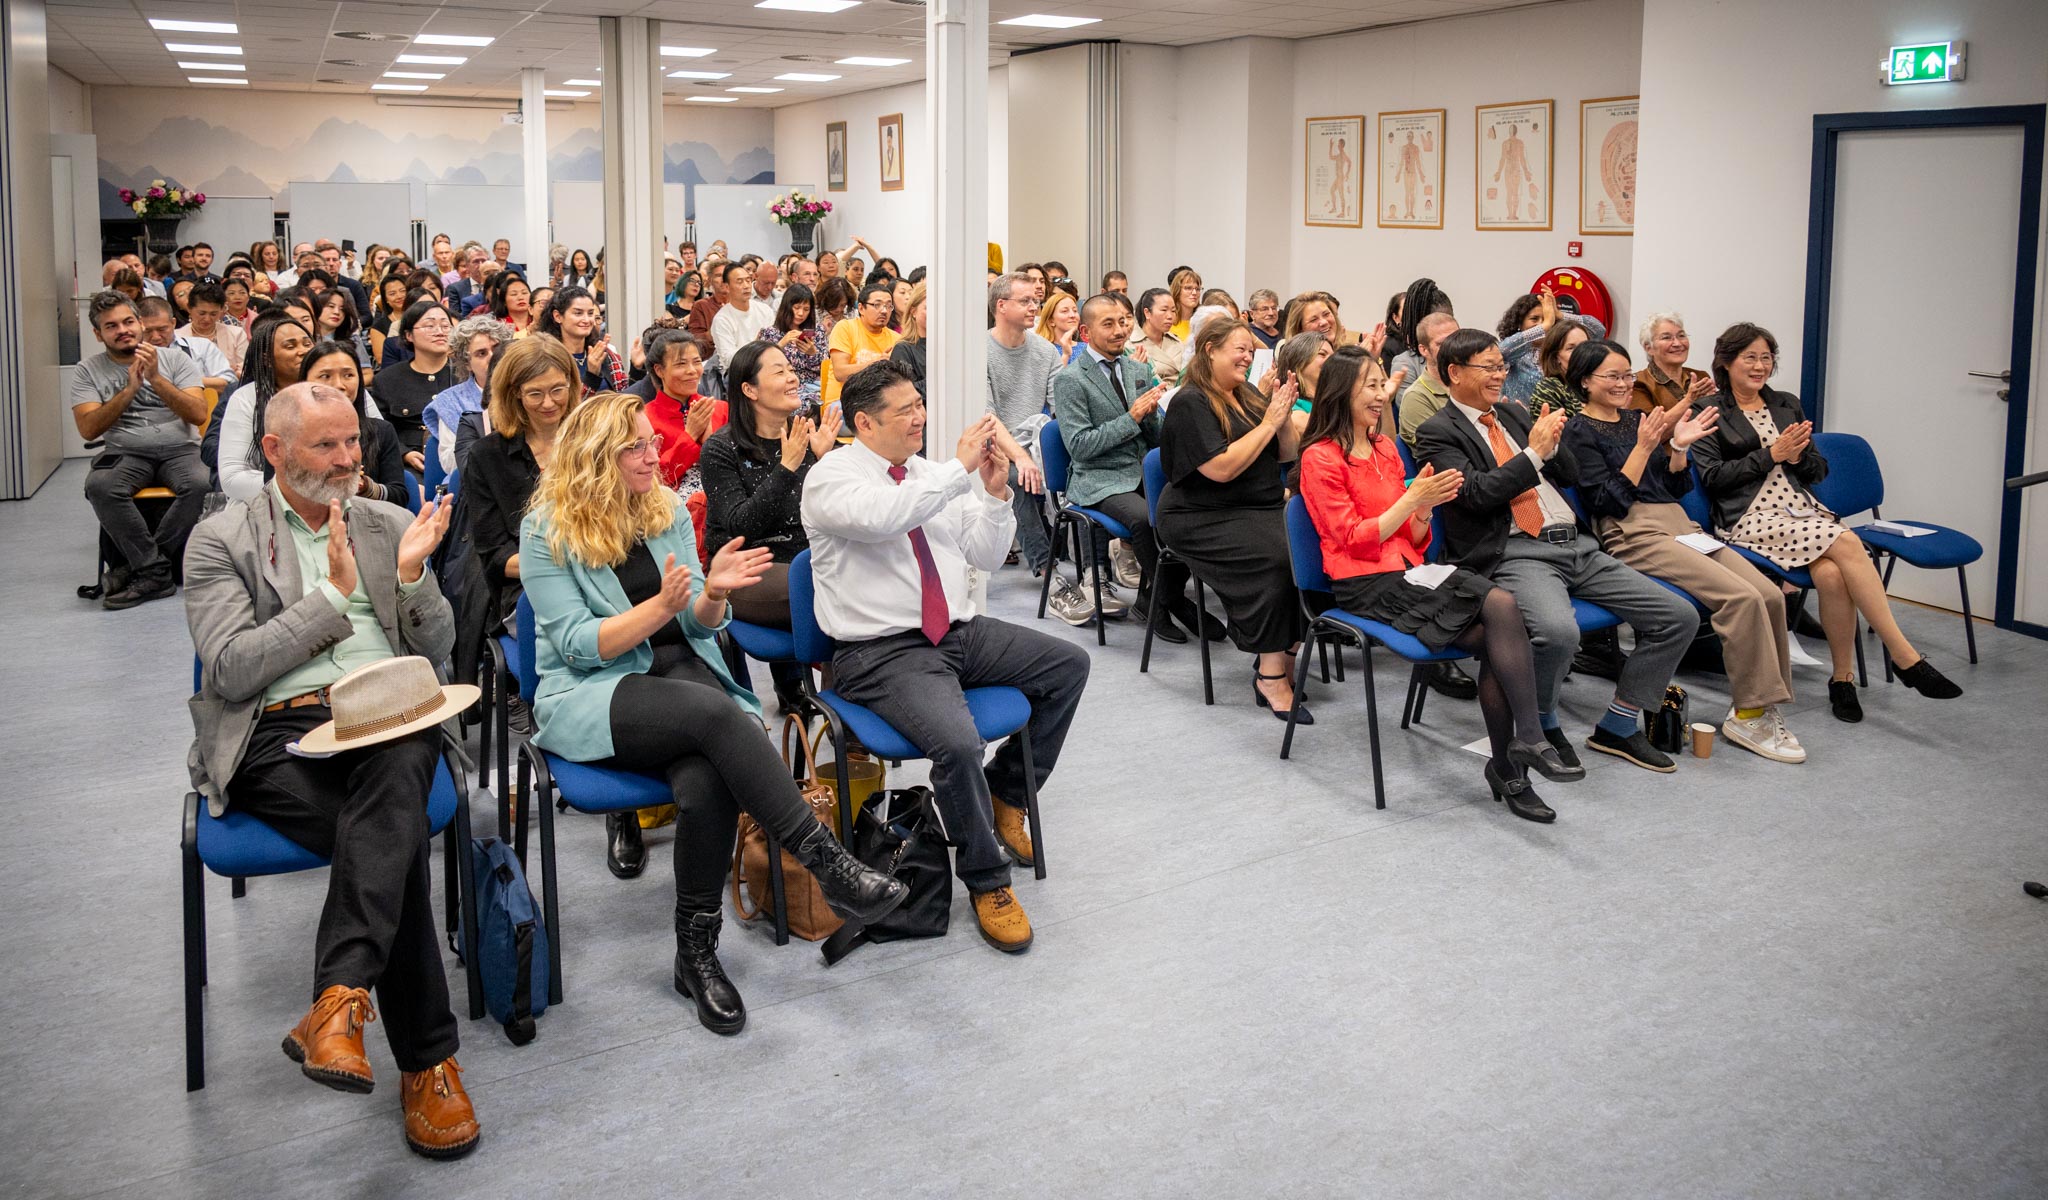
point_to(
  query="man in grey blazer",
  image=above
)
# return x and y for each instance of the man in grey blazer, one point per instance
(285, 594)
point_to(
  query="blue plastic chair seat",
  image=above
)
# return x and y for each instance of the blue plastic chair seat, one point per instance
(1110, 525)
(1682, 594)
(1592, 617)
(763, 643)
(1407, 645)
(998, 712)
(241, 845)
(1798, 577)
(589, 788)
(1943, 549)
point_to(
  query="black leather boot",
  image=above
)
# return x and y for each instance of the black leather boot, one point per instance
(701, 978)
(851, 887)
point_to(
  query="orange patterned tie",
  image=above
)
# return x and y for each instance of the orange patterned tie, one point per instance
(1527, 510)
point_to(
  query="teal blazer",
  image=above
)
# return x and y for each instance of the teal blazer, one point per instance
(1107, 446)
(572, 706)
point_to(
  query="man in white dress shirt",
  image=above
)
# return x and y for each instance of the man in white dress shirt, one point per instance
(743, 317)
(892, 535)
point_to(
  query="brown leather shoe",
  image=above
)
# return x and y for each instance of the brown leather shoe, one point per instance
(1003, 923)
(327, 1043)
(439, 1123)
(1013, 830)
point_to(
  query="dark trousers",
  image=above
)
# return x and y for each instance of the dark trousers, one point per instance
(767, 603)
(1130, 510)
(917, 688)
(718, 760)
(366, 812)
(110, 488)
(1033, 531)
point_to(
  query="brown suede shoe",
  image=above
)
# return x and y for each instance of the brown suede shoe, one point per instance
(1003, 923)
(439, 1123)
(327, 1043)
(1013, 830)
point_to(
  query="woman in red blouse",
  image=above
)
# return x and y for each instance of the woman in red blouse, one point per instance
(1375, 527)
(675, 362)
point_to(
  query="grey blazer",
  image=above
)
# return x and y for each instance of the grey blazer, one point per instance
(253, 620)
(1107, 445)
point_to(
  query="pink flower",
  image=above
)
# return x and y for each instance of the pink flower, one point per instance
(198, 198)
(127, 195)
(156, 193)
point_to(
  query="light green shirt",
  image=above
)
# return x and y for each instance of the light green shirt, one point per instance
(1424, 399)
(366, 645)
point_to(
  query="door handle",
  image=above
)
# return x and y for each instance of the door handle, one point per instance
(2001, 376)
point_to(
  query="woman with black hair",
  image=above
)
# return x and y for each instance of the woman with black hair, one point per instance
(572, 316)
(334, 319)
(794, 335)
(234, 441)
(1422, 298)
(580, 272)
(333, 363)
(1394, 346)
(404, 389)
(511, 301)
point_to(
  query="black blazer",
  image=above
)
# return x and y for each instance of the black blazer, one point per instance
(1476, 524)
(1733, 462)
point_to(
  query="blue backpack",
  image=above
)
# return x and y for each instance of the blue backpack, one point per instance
(512, 942)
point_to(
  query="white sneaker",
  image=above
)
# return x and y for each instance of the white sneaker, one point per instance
(1071, 604)
(1786, 741)
(1123, 563)
(1113, 604)
(1763, 735)
(1797, 654)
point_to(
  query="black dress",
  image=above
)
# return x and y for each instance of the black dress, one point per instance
(403, 393)
(1232, 535)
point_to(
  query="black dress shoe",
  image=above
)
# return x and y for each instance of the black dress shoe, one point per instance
(700, 976)
(1636, 748)
(1449, 679)
(1545, 759)
(1842, 698)
(1924, 679)
(1166, 630)
(1563, 745)
(625, 853)
(1520, 798)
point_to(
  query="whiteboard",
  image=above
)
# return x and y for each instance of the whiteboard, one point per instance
(228, 224)
(481, 211)
(364, 212)
(578, 215)
(738, 214)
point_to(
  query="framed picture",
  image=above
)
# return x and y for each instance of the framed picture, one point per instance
(835, 156)
(1333, 174)
(892, 151)
(1515, 165)
(1607, 165)
(1410, 191)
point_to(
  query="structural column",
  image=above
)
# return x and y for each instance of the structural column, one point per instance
(956, 111)
(631, 117)
(31, 440)
(533, 126)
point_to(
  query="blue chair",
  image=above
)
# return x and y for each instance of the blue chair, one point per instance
(412, 493)
(1070, 518)
(1571, 497)
(1155, 484)
(435, 476)
(1855, 484)
(998, 712)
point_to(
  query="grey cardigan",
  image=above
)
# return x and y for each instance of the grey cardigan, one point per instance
(253, 619)
(1107, 445)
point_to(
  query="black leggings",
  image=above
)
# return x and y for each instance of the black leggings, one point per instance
(718, 761)
(1499, 639)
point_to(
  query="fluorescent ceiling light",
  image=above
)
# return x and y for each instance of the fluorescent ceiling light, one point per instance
(584, 82)
(208, 79)
(807, 77)
(433, 60)
(712, 99)
(811, 6)
(451, 39)
(569, 93)
(686, 52)
(1042, 21)
(700, 74)
(207, 66)
(864, 61)
(190, 48)
(414, 75)
(754, 91)
(194, 26)
(398, 87)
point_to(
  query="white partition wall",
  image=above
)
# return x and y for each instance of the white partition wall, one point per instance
(738, 213)
(484, 212)
(231, 223)
(364, 212)
(578, 217)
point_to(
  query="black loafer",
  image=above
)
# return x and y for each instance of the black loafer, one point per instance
(1166, 630)
(1546, 760)
(1636, 748)
(625, 853)
(1448, 679)
(1563, 745)
(1843, 700)
(1520, 798)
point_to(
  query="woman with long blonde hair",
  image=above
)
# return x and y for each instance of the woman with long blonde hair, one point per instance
(1185, 286)
(631, 675)
(1059, 322)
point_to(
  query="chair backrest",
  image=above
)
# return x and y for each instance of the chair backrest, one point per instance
(1571, 497)
(1696, 505)
(1854, 481)
(1305, 548)
(412, 493)
(1155, 483)
(435, 476)
(198, 675)
(812, 644)
(523, 622)
(1408, 466)
(1436, 516)
(1053, 456)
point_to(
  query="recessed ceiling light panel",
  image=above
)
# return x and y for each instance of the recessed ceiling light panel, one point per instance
(194, 26)
(209, 66)
(565, 93)
(210, 79)
(433, 60)
(755, 91)
(712, 99)
(414, 75)
(1043, 21)
(398, 87)
(810, 6)
(864, 61)
(191, 48)
(807, 77)
(451, 39)
(686, 52)
(700, 74)
(584, 82)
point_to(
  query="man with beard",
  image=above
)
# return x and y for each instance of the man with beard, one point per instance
(285, 594)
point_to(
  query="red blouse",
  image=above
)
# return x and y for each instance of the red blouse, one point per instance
(679, 451)
(1346, 497)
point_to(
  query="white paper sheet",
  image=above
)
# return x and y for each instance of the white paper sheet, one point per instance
(1429, 575)
(1701, 542)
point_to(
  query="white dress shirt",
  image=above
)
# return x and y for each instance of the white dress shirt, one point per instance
(1555, 510)
(207, 357)
(732, 328)
(859, 522)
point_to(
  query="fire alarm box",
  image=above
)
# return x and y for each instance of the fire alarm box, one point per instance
(1578, 291)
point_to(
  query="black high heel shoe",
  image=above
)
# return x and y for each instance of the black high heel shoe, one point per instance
(1302, 716)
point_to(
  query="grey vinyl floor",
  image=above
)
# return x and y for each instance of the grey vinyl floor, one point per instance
(1744, 979)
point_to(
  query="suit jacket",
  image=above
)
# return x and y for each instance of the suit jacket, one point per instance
(253, 619)
(1477, 523)
(1107, 445)
(1733, 462)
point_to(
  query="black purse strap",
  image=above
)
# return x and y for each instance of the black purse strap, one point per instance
(519, 1027)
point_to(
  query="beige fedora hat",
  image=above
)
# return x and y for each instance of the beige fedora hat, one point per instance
(386, 700)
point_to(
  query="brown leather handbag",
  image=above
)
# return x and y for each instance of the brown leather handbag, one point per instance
(810, 918)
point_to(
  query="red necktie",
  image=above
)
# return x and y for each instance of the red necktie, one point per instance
(937, 614)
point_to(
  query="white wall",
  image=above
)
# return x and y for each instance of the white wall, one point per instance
(70, 104)
(1150, 145)
(1048, 130)
(898, 223)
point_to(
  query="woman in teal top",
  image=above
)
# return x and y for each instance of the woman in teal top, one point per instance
(631, 677)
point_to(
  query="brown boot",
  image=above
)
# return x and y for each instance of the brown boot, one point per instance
(439, 1123)
(327, 1043)
(1013, 830)
(1003, 923)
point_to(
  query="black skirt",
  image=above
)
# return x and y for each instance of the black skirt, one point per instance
(1435, 616)
(1241, 555)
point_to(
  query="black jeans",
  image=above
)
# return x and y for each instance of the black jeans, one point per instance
(1131, 512)
(110, 488)
(717, 759)
(917, 688)
(767, 603)
(366, 812)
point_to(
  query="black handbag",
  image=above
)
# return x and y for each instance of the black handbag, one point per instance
(899, 833)
(1668, 723)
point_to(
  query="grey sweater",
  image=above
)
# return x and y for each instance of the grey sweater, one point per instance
(1020, 380)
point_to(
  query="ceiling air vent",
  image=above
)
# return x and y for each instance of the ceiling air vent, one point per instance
(344, 62)
(359, 36)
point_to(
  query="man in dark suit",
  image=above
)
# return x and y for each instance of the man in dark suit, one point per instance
(1511, 523)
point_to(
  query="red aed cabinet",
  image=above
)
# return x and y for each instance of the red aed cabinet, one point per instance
(1578, 290)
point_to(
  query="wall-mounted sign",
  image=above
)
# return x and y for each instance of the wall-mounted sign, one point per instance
(1932, 62)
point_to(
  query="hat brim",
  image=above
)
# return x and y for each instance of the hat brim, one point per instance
(454, 698)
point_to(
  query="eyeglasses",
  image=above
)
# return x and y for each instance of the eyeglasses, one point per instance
(427, 324)
(878, 303)
(646, 445)
(1484, 368)
(1615, 377)
(558, 394)
(1757, 360)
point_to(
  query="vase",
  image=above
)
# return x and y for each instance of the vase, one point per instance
(803, 237)
(162, 234)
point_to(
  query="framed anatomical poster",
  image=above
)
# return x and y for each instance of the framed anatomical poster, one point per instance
(1513, 146)
(1411, 170)
(1607, 165)
(1334, 173)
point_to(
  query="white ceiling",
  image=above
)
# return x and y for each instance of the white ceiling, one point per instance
(296, 45)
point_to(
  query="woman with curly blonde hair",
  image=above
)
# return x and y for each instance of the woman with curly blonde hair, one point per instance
(1185, 286)
(631, 676)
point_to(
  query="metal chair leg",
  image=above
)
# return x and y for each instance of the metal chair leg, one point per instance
(1323, 654)
(195, 948)
(1372, 725)
(238, 887)
(1300, 682)
(1969, 624)
(1101, 622)
(779, 895)
(1411, 705)
(1045, 586)
(1031, 803)
(1158, 595)
(550, 906)
(465, 881)
(1201, 615)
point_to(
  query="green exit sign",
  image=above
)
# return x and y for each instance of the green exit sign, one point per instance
(1932, 62)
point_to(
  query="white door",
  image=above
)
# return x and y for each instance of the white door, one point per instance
(75, 204)
(1920, 214)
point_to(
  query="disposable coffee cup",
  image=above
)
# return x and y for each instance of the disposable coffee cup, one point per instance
(1702, 740)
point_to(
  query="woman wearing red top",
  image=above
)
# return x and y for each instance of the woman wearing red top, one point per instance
(1374, 527)
(683, 418)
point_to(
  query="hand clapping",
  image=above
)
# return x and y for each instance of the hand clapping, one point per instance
(1792, 443)
(1431, 488)
(733, 568)
(1654, 427)
(420, 538)
(826, 434)
(1544, 434)
(1693, 428)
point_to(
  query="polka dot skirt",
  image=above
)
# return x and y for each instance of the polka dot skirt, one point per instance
(1784, 523)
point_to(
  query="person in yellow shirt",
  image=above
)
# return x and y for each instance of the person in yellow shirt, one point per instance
(864, 339)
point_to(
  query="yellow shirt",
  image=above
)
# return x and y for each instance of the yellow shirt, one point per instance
(851, 337)
(1179, 330)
